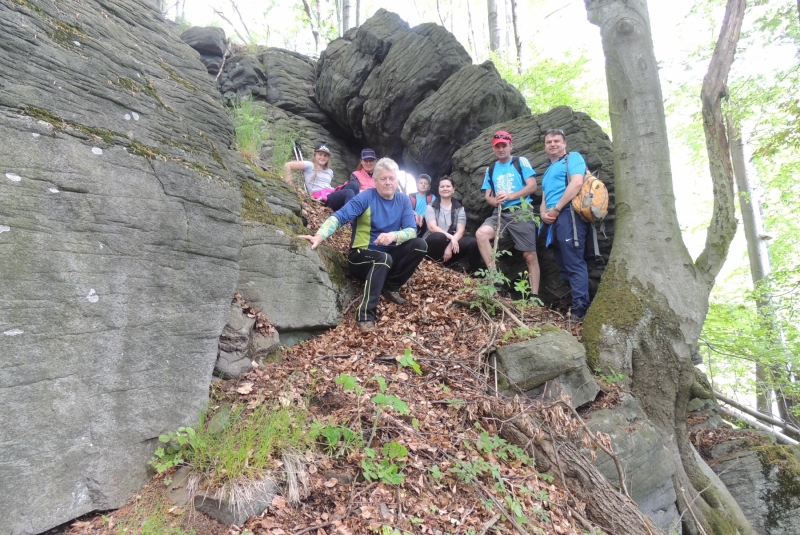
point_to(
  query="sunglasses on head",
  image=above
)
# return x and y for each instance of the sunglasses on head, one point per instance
(557, 132)
(502, 136)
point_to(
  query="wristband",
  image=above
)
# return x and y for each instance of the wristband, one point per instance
(557, 209)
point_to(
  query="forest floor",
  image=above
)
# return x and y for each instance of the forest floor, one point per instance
(419, 396)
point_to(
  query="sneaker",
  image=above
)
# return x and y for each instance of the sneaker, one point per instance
(394, 296)
(365, 326)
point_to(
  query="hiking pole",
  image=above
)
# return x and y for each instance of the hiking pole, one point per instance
(298, 156)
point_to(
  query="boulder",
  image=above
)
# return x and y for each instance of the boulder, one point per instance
(243, 76)
(583, 135)
(416, 66)
(547, 367)
(641, 450)
(120, 239)
(346, 63)
(472, 99)
(301, 292)
(764, 480)
(210, 43)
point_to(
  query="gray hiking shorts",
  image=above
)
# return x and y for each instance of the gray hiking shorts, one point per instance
(522, 232)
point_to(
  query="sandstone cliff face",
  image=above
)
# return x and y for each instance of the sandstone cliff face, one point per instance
(120, 239)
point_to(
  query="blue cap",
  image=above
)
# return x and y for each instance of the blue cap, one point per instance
(366, 154)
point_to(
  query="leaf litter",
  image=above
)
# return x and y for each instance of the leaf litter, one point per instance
(456, 479)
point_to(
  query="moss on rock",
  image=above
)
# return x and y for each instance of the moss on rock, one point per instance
(255, 208)
(622, 311)
(781, 465)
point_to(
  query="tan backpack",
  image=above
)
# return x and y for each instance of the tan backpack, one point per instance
(591, 202)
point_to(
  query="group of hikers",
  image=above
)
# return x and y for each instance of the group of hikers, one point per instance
(392, 232)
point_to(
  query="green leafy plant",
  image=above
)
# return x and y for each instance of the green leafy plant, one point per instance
(611, 377)
(408, 361)
(388, 467)
(339, 437)
(176, 448)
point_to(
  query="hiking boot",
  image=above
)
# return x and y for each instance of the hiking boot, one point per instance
(394, 296)
(365, 326)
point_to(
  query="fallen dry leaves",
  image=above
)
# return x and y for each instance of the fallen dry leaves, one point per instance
(447, 405)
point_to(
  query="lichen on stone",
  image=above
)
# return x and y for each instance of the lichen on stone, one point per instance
(780, 465)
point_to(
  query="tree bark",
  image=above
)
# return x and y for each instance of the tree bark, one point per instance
(649, 310)
(313, 22)
(358, 13)
(471, 36)
(517, 38)
(346, 16)
(494, 26)
(757, 252)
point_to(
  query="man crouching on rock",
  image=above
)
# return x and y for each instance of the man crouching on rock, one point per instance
(384, 250)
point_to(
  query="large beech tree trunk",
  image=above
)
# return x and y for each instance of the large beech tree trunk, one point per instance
(650, 307)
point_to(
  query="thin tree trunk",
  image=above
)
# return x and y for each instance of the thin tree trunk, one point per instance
(358, 13)
(471, 36)
(517, 38)
(649, 310)
(757, 252)
(314, 22)
(346, 16)
(494, 26)
(714, 89)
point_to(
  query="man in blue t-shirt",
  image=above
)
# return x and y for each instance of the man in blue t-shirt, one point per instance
(507, 187)
(420, 201)
(566, 232)
(384, 249)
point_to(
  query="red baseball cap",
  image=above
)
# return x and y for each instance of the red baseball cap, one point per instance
(501, 137)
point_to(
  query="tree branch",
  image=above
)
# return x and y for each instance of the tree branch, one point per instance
(723, 222)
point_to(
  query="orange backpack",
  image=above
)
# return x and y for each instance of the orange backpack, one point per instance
(591, 202)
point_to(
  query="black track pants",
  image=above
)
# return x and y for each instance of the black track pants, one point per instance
(379, 269)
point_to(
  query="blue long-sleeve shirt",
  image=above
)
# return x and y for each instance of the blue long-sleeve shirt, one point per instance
(373, 215)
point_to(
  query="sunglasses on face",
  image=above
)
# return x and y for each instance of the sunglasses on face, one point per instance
(502, 136)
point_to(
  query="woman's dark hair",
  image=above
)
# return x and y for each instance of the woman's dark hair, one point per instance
(446, 177)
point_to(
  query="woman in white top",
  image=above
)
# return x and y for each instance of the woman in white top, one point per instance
(318, 176)
(447, 220)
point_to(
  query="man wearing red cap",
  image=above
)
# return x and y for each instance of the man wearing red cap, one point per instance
(505, 188)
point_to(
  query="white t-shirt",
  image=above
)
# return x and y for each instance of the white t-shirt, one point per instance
(315, 183)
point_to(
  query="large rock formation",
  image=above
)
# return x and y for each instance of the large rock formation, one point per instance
(120, 241)
(474, 98)
(583, 135)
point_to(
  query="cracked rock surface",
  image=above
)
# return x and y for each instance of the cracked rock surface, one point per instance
(120, 238)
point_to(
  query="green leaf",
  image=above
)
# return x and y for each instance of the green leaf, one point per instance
(347, 382)
(387, 400)
(407, 361)
(395, 450)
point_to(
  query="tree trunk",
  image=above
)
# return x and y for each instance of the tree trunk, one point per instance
(471, 36)
(494, 26)
(757, 252)
(313, 22)
(649, 310)
(346, 16)
(517, 38)
(358, 13)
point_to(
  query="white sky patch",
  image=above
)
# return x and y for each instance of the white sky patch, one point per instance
(35, 134)
(53, 190)
(4, 228)
(127, 116)
(97, 150)
(92, 297)
(135, 116)
(13, 332)
(13, 178)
